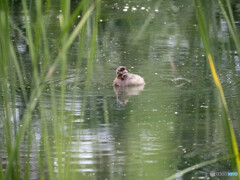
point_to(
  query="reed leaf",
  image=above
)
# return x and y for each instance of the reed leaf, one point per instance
(196, 166)
(227, 120)
(39, 87)
(229, 127)
(4, 72)
(230, 23)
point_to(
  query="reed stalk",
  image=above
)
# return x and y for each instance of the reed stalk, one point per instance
(231, 23)
(229, 130)
(227, 120)
(43, 68)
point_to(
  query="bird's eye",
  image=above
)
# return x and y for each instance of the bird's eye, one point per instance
(122, 69)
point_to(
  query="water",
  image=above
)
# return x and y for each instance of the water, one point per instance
(150, 132)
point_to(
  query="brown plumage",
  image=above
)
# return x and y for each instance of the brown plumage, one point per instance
(124, 78)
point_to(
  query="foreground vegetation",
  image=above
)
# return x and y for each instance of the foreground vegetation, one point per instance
(46, 60)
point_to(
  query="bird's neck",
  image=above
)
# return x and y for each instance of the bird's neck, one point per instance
(122, 76)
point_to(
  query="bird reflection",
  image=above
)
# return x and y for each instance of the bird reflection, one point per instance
(122, 93)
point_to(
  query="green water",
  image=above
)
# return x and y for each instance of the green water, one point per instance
(151, 132)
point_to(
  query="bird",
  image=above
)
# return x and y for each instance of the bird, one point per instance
(124, 78)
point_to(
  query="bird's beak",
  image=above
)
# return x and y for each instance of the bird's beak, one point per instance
(125, 71)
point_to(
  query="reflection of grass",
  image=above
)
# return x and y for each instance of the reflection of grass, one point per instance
(44, 64)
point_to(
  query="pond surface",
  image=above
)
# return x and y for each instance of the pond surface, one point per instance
(150, 132)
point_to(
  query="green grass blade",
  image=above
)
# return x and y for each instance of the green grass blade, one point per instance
(228, 122)
(18, 72)
(38, 89)
(4, 72)
(196, 166)
(231, 25)
(70, 40)
(46, 142)
(32, 47)
(230, 13)
(229, 127)
(146, 23)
